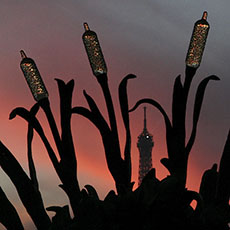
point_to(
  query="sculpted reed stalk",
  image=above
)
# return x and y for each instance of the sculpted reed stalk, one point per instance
(197, 42)
(33, 77)
(94, 51)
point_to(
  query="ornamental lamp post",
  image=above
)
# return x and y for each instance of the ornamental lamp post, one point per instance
(119, 168)
(177, 146)
(33, 77)
(66, 168)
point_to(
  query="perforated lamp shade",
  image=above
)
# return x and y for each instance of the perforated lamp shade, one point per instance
(33, 77)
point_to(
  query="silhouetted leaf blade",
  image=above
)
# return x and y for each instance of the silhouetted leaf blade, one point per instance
(197, 108)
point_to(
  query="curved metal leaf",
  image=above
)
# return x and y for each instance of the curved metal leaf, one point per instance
(30, 133)
(99, 119)
(92, 104)
(54, 209)
(83, 112)
(111, 196)
(92, 191)
(102, 127)
(26, 115)
(8, 214)
(223, 186)
(208, 185)
(62, 217)
(30, 197)
(100, 124)
(166, 162)
(123, 98)
(113, 158)
(159, 107)
(197, 107)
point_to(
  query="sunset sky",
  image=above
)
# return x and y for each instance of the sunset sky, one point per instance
(147, 38)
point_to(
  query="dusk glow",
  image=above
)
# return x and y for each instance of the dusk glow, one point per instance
(147, 38)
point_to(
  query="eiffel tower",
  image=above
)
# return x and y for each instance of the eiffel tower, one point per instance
(145, 144)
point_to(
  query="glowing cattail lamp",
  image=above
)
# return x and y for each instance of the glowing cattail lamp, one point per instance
(33, 77)
(197, 42)
(94, 52)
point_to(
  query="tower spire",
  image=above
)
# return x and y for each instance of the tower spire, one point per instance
(145, 121)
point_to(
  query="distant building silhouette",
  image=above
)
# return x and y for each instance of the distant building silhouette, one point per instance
(145, 144)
